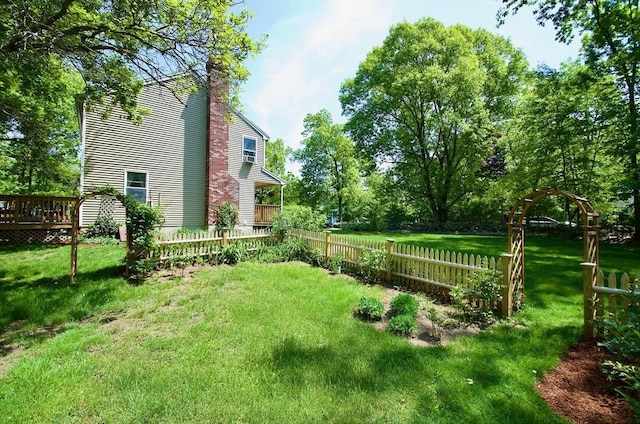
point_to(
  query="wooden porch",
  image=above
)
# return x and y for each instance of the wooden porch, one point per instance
(264, 215)
(27, 219)
(18, 211)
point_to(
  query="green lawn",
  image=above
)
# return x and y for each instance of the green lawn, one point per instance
(269, 343)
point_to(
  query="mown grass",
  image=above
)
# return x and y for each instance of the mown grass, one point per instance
(273, 343)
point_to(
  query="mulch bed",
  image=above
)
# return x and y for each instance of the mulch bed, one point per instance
(578, 390)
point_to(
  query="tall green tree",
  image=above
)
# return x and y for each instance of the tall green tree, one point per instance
(431, 102)
(116, 44)
(565, 123)
(329, 166)
(610, 31)
(39, 139)
(276, 157)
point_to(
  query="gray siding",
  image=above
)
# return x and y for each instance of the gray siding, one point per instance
(246, 173)
(170, 145)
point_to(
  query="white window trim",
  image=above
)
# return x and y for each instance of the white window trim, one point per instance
(255, 152)
(148, 182)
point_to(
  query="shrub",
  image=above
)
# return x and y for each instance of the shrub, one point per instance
(621, 331)
(370, 308)
(628, 378)
(335, 262)
(226, 215)
(621, 336)
(402, 325)
(231, 254)
(103, 227)
(371, 262)
(300, 217)
(294, 249)
(268, 254)
(404, 304)
(484, 291)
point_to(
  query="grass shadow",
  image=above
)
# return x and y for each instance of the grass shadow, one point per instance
(36, 296)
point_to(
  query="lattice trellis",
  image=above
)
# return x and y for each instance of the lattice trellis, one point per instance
(27, 236)
(516, 226)
(107, 205)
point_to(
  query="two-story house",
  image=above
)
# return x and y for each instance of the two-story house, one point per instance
(186, 156)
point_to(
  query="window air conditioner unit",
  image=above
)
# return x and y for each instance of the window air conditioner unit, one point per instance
(249, 158)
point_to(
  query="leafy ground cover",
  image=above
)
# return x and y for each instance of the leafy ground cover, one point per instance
(267, 343)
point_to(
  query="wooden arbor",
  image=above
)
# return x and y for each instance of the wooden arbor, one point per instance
(516, 226)
(75, 218)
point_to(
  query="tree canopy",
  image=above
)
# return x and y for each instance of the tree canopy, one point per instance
(431, 102)
(114, 45)
(610, 33)
(329, 166)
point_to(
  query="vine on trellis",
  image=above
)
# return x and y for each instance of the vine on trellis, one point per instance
(141, 219)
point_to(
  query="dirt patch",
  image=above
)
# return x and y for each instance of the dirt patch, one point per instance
(11, 350)
(578, 390)
(444, 329)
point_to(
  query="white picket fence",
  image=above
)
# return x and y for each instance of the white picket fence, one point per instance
(418, 268)
(611, 293)
(208, 243)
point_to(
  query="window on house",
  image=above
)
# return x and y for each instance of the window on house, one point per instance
(137, 185)
(248, 149)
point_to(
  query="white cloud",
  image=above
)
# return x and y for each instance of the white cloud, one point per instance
(308, 57)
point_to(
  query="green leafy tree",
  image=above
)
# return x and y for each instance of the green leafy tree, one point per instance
(277, 154)
(610, 33)
(116, 44)
(329, 166)
(431, 102)
(566, 121)
(39, 137)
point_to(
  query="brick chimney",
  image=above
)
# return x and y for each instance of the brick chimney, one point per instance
(221, 186)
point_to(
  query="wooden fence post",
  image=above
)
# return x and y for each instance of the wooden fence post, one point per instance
(225, 235)
(507, 287)
(587, 282)
(389, 262)
(327, 240)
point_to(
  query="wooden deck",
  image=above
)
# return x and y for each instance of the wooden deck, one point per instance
(18, 212)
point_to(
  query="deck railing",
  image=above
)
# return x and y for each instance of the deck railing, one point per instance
(19, 211)
(265, 214)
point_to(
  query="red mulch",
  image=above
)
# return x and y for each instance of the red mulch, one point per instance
(579, 391)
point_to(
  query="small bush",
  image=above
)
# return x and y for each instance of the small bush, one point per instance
(371, 263)
(231, 254)
(268, 254)
(294, 249)
(402, 325)
(105, 241)
(103, 227)
(142, 269)
(227, 215)
(335, 262)
(300, 217)
(370, 308)
(404, 304)
(484, 293)
(628, 379)
(621, 336)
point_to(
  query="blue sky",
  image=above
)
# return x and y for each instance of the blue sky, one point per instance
(315, 45)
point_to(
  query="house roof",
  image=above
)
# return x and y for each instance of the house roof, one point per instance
(274, 176)
(251, 124)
